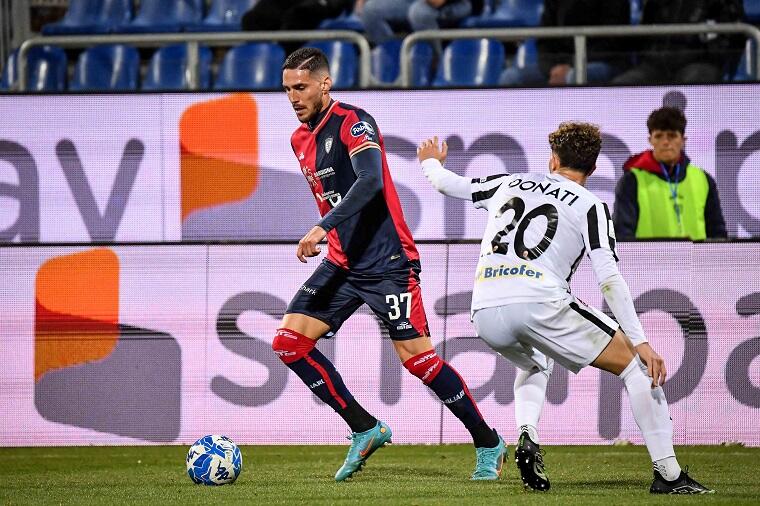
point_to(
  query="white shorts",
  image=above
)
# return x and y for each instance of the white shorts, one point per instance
(568, 331)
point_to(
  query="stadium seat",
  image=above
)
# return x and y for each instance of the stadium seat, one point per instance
(752, 11)
(344, 62)
(636, 11)
(386, 62)
(346, 21)
(165, 16)
(477, 62)
(167, 69)
(223, 16)
(527, 54)
(111, 67)
(745, 68)
(507, 14)
(255, 65)
(91, 16)
(46, 69)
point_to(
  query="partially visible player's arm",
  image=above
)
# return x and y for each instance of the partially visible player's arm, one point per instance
(617, 294)
(368, 167)
(618, 297)
(479, 190)
(599, 236)
(446, 181)
(431, 158)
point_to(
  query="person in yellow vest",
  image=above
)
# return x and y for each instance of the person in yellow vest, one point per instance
(662, 194)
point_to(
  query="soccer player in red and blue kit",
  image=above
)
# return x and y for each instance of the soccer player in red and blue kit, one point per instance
(372, 260)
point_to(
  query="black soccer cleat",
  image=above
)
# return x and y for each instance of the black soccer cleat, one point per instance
(530, 462)
(683, 485)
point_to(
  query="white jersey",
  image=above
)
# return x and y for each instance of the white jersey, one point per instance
(539, 229)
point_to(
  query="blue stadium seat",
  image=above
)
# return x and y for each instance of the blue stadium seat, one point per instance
(745, 68)
(157, 16)
(477, 62)
(386, 62)
(111, 67)
(91, 16)
(507, 14)
(346, 21)
(752, 11)
(344, 62)
(223, 16)
(527, 54)
(636, 6)
(255, 65)
(167, 69)
(46, 69)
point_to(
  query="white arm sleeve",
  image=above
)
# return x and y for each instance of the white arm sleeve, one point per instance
(616, 293)
(446, 181)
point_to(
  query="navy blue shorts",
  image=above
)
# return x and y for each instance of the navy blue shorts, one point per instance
(332, 294)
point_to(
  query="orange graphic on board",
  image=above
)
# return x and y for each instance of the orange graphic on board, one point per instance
(77, 310)
(219, 149)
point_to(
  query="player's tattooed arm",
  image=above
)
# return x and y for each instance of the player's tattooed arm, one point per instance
(432, 157)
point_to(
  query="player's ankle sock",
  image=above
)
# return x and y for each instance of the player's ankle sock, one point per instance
(532, 432)
(442, 379)
(483, 436)
(650, 410)
(356, 417)
(314, 369)
(530, 392)
(668, 468)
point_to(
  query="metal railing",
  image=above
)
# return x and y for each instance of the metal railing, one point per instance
(193, 41)
(6, 30)
(579, 34)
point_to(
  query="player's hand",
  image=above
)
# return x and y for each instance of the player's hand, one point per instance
(655, 364)
(430, 149)
(308, 246)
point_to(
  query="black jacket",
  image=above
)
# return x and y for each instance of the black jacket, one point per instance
(553, 52)
(626, 212)
(677, 51)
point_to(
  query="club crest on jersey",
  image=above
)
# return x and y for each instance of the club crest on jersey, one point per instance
(328, 144)
(362, 127)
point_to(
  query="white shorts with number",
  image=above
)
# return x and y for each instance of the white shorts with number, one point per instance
(526, 333)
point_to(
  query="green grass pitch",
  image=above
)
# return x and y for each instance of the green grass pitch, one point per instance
(398, 474)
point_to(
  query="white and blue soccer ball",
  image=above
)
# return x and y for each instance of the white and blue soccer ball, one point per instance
(214, 460)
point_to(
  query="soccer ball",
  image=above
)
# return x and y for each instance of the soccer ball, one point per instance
(214, 460)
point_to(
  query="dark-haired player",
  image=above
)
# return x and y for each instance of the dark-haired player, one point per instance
(539, 228)
(372, 259)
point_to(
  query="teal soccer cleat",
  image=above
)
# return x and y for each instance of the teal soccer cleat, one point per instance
(363, 444)
(490, 461)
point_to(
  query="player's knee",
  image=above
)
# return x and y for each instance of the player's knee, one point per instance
(425, 366)
(291, 346)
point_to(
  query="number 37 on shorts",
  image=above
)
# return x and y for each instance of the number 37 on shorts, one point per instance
(333, 294)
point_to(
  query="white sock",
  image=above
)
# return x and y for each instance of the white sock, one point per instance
(650, 409)
(668, 468)
(530, 392)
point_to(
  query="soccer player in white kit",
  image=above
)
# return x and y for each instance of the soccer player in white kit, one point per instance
(539, 229)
